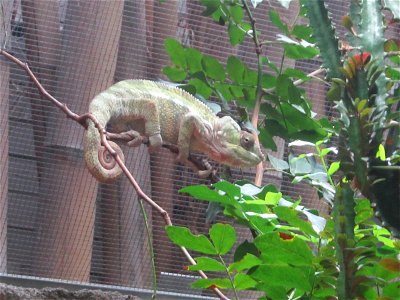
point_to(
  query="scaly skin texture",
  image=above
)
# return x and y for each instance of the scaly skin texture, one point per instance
(165, 115)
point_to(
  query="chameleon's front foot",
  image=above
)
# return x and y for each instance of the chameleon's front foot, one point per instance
(201, 173)
(207, 172)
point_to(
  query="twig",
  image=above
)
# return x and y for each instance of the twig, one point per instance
(392, 53)
(81, 119)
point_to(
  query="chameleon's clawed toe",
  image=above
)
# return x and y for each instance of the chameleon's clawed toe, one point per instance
(136, 138)
(204, 173)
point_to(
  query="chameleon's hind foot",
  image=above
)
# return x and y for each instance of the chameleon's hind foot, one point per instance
(132, 138)
(136, 138)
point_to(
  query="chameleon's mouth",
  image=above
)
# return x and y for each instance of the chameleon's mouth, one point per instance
(243, 158)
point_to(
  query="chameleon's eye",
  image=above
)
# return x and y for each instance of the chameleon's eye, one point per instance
(246, 140)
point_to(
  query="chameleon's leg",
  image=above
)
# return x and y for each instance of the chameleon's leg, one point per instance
(149, 112)
(142, 110)
(190, 124)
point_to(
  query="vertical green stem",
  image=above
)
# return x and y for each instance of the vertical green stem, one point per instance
(344, 215)
(230, 277)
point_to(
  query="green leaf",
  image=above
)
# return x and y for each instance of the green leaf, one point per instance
(247, 262)
(213, 68)
(236, 13)
(284, 276)
(243, 282)
(325, 36)
(202, 192)
(283, 85)
(193, 59)
(267, 140)
(301, 165)
(222, 283)
(223, 90)
(272, 198)
(183, 237)
(278, 164)
(236, 35)
(381, 153)
(276, 20)
(207, 264)
(274, 249)
(326, 151)
(392, 73)
(391, 290)
(176, 52)
(292, 216)
(268, 81)
(300, 52)
(335, 92)
(201, 87)
(223, 237)
(333, 168)
(302, 32)
(211, 6)
(174, 74)
(270, 64)
(235, 69)
(296, 73)
(232, 190)
(243, 249)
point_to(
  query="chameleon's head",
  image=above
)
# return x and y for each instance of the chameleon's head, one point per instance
(237, 147)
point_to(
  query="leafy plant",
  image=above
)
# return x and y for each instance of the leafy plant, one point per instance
(296, 253)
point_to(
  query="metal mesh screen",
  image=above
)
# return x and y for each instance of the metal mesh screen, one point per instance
(57, 222)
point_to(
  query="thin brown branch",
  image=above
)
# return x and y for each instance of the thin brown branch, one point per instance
(392, 53)
(259, 90)
(81, 119)
(300, 81)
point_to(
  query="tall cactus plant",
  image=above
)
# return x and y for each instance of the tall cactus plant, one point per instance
(360, 90)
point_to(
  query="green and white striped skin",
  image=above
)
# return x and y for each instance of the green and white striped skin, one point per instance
(165, 115)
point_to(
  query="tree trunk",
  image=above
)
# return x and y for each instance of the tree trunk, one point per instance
(5, 33)
(88, 60)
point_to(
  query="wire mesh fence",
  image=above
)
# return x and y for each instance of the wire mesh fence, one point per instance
(57, 222)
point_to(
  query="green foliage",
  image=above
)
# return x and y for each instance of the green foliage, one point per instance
(294, 251)
(354, 158)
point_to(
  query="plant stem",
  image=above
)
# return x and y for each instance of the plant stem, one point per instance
(229, 276)
(322, 159)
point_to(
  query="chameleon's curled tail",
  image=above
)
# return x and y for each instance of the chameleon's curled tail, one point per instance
(99, 161)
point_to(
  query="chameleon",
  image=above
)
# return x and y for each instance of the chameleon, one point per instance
(165, 115)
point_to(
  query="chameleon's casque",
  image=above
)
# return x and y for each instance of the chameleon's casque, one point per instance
(165, 115)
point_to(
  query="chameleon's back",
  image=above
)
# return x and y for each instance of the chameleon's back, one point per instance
(127, 101)
(122, 101)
